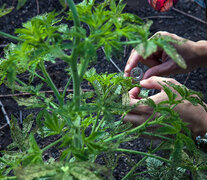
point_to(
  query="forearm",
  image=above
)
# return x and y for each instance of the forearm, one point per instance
(195, 116)
(201, 52)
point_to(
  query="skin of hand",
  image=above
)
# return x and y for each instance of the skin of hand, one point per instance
(195, 116)
(194, 54)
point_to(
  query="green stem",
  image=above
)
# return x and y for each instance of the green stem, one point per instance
(74, 12)
(157, 135)
(142, 153)
(34, 73)
(9, 36)
(138, 128)
(74, 57)
(96, 122)
(99, 125)
(66, 87)
(144, 172)
(50, 83)
(83, 68)
(128, 175)
(52, 144)
(13, 177)
(52, 104)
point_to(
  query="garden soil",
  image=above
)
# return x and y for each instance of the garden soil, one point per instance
(171, 21)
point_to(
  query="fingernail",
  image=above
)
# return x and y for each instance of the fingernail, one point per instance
(127, 68)
(142, 82)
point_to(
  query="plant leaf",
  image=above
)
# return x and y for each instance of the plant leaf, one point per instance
(21, 3)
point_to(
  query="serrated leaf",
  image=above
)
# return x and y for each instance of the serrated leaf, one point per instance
(4, 11)
(21, 3)
(81, 173)
(63, 3)
(107, 50)
(172, 53)
(31, 102)
(54, 123)
(20, 136)
(146, 48)
(171, 95)
(167, 130)
(34, 155)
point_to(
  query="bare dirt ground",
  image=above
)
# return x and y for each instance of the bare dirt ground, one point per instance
(174, 21)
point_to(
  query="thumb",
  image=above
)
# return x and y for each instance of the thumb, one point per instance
(155, 81)
(165, 68)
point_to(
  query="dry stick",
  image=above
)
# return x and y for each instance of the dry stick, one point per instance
(156, 17)
(38, 7)
(186, 14)
(4, 113)
(3, 126)
(187, 78)
(47, 92)
(3, 45)
(111, 60)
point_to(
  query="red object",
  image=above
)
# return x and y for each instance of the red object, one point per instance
(162, 5)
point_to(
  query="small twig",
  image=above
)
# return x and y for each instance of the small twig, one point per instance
(186, 14)
(4, 113)
(187, 78)
(125, 49)
(113, 62)
(38, 7)
(20, 117)
(3, 45)
(156, 17)
(46, 92)
(3, 126)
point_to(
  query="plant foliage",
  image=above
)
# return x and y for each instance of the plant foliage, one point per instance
(85, 124)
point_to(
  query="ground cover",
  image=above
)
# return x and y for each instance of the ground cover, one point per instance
(171, 21)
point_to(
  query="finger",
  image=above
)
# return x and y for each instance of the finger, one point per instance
(132, 62)
(165, 68)
(155, 81)
(159, 97)
(142, 109)
(151, 61)
(135, 119)
(133, 93)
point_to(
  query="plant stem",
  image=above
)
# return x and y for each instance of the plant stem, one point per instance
(66, 86)
(142, 153)
(37, 75)
(74, 12)
(157, 135)
(9, 36)
(138, 128)
(96, 122)
(140, 162)
(99, 125)
(13, 177)
(144, 172)
(52, 144)
(74, 57)
(50, 83)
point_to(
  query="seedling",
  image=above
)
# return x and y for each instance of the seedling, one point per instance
(84, 122)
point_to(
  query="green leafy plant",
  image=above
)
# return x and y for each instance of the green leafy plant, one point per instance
(4, 11)
(84, 123)
(21, 3)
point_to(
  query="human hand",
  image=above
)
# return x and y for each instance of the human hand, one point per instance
(194, 54)
(195, 116)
